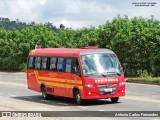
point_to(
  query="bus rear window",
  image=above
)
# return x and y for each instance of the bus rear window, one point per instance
(30, 63)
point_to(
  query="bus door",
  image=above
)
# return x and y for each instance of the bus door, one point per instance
(76, 76)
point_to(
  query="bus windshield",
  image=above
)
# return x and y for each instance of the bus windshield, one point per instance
(103, 64)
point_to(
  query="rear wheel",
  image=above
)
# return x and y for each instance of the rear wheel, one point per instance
(78, 99)
(44, 94)
(115, 99)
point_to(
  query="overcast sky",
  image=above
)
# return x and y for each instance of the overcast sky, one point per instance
(74, 13)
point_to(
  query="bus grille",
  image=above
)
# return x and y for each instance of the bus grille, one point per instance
(107, 87)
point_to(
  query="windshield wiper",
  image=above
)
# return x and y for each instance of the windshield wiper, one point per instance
(93, 74)
(106, 73)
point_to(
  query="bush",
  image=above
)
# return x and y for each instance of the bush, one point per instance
(23, 67)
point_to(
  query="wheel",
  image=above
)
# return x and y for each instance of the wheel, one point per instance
(78, 99)
(45, 95)
(115, 99)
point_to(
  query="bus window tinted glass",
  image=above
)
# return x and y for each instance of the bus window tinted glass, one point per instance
(61, 64)
(38, 63)
(68, 65)
(30, 62)
(44, 63)
(53, 63)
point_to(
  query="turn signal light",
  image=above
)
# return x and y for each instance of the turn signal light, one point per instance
(89, 85)
(121, 83)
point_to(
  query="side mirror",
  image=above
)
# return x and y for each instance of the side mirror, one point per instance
(124, 67)
(76, 70)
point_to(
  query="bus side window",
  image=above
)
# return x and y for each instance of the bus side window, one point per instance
(38, 63)
(44, 63)
(75, 67)
(53, 62)
(30, 63)
(68, 65)
(61, 64)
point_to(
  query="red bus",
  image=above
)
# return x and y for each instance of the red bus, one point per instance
(81, 73)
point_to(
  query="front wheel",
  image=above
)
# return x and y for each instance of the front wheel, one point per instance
(115, 99)
(78, 99)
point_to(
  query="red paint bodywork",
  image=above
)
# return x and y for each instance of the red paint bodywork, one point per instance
(62, 88)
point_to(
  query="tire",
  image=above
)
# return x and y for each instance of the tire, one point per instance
(78, 99)
(45, 95)
(115, 99)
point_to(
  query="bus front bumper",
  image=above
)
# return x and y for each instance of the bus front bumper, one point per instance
(96, 94)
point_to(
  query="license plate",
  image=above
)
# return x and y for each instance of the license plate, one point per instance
(108, 90)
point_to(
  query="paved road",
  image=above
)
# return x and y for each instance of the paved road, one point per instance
(14, 96)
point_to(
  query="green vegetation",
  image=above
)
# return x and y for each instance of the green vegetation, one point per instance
(136, 41)
(146, 80)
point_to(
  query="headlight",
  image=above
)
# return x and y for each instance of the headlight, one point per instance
(89, 85)
(121, 83)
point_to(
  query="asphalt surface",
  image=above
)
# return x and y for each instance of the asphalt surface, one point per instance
(14, 96)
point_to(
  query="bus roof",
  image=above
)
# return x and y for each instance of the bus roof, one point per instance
(66, 51)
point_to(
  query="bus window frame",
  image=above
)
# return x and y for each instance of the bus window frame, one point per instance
(48, 64)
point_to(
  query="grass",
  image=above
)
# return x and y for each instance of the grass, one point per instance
(144, 80)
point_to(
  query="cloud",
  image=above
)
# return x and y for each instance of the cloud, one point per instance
(74, 13)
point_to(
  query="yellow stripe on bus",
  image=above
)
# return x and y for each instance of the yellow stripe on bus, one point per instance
(36, 76)
(60, 80)
(65, 81)
(62, 85)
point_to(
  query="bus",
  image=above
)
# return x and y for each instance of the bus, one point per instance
(80, 73)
